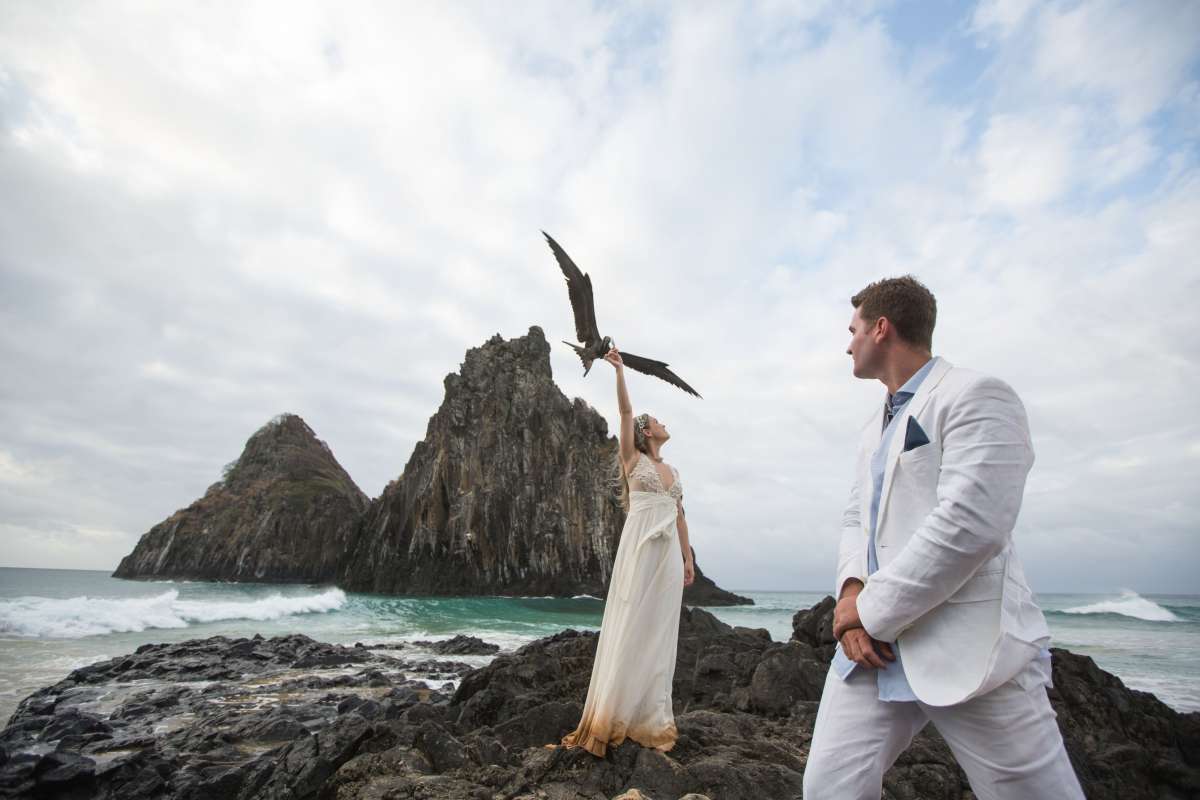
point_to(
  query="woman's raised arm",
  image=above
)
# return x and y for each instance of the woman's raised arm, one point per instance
(628, 451)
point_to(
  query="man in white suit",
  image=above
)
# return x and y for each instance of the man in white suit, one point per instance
(935, 620)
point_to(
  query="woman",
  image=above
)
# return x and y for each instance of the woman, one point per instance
(630, 692)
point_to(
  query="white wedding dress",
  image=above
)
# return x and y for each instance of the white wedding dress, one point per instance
(630, 692)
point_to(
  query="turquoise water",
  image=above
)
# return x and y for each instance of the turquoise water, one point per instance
(53, 621)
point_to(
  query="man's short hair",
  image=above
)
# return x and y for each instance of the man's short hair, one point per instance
(907, 304)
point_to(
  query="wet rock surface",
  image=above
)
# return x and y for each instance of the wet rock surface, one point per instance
(237, 718)
(220, 717)
(460, 646)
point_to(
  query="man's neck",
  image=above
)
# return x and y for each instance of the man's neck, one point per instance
(904, 364)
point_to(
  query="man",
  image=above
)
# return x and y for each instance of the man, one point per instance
(935, 621)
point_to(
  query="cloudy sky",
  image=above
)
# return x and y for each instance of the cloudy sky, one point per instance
(213, 213)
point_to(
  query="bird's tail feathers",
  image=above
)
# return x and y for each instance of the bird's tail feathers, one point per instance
(587, 362)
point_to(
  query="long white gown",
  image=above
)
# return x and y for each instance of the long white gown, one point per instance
(630, 692)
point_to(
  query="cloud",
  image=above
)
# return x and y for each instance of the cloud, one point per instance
(1000, 17)
(1133, 55)
(1026, 160)
(224, 218)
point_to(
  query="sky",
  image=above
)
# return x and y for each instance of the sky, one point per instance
(214, 213)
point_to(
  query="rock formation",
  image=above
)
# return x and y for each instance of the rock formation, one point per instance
(289, 717)
(285, 511)
(703, 592)
(510, 493)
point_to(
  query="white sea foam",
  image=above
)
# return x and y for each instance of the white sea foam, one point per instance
(1130, 604)
(76, 617)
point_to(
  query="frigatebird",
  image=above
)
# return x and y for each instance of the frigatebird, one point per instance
(579, 289)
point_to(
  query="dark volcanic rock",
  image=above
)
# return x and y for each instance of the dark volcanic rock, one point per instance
(151, 724)
(744, 705)
(814, 627)
(1125, 744)
(285, 511)
(460, 645)
(509, 493)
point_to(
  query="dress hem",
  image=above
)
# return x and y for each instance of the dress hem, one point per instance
(598, 746)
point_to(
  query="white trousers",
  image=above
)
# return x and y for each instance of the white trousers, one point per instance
(1006, 741)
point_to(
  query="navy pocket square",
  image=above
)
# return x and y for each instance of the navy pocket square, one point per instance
(914, 436)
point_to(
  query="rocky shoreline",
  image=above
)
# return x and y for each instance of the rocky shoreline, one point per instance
(290, 717)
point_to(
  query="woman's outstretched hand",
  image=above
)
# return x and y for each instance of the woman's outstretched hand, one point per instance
(614, 357)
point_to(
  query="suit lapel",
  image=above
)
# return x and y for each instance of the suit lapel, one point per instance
(896, 446)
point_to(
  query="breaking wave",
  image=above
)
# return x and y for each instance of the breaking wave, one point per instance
(76, 617)
(1129, 604)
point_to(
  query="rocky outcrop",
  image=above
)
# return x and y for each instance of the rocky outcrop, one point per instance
(289, 717)
(703, 592)
(215, 718)
(509, 493)
(285, 511)
(1124, 743)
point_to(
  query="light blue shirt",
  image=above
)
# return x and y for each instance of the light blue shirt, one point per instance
(893, 685)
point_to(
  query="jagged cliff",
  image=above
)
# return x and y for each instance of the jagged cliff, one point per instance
(285, 511)
(509, 493)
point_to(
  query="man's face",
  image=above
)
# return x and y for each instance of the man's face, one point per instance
(863, 347)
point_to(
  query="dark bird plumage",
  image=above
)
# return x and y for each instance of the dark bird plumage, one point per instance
(594, 346)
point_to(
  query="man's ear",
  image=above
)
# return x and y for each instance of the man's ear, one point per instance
(881, 328)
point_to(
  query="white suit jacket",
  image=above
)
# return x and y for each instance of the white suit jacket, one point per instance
(949, 588)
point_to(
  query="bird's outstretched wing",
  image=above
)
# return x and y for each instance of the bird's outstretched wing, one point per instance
(658, 369)
(579, 289)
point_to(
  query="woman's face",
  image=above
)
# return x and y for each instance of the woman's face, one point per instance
(656, 430)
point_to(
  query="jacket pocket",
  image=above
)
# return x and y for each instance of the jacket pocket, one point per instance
(919, 455)
(980, 586)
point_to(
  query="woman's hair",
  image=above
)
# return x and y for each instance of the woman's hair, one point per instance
(642, 445)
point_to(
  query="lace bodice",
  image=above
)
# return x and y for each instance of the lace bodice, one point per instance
(646, 478)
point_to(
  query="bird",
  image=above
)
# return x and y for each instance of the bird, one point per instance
(579, 290)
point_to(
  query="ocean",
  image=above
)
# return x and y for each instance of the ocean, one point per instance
(54, 621)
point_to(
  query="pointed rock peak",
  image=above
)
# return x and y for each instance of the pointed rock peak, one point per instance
(529, 353)
(284, 428)
(284, 511)
(285, 448)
